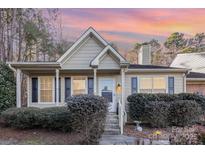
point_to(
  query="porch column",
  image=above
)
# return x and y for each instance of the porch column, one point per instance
(18, 88)
(57, 87)
(95, 81)
(123, 87)
(123, 96)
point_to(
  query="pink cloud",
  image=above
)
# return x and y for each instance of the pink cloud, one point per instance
(154, 22)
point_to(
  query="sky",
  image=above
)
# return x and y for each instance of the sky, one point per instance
(125, 27)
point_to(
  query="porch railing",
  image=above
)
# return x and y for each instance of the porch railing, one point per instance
(120, 116)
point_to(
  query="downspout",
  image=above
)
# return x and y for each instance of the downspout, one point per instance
(184, 79)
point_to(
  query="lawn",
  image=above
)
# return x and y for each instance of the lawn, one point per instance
(38, 136)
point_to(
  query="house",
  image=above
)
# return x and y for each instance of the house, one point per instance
(195, 62)
(92, 66)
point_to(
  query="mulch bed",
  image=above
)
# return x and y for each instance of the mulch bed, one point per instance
(149, 133)
(38, 136)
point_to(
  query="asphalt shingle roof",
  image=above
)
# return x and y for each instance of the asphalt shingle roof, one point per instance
(138, 66)
(196, 75)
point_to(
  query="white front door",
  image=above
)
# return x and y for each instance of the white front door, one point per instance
(107, 90)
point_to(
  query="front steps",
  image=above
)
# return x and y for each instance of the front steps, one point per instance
(111, 135)
(112, 124)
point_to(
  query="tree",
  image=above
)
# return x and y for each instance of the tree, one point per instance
(175, 41)
(7, 88)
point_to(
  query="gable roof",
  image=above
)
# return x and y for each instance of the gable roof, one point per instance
(96, 60)
(88, 32)
(193, 61)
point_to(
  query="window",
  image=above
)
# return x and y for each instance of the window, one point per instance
(159, 85)
(153, 85)
(46, 89)
(78, 85)
(146, 85)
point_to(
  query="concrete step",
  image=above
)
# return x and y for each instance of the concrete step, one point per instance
(112, 126)
(111, 116)
(112, 121)
(111, 131)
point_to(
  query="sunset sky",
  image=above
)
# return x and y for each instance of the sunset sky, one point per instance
(125, 27)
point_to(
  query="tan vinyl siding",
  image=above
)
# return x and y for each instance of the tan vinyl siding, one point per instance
(82, 57)
(108, 62)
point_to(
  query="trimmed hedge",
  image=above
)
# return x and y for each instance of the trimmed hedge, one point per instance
(155, 108)
(156, 113)
(184, 113)
(88, 114)
(54, 118)
(84, 113)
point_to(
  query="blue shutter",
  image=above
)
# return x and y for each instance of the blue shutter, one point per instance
(134, 84)
(90, 86)
(171, 85)
(67, 87)
(34, 90)
(59, 89)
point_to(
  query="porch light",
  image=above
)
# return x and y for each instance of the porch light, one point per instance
(118, 88)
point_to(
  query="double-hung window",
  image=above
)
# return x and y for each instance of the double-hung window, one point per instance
(152, 85)
(79, 85)
(46, 89)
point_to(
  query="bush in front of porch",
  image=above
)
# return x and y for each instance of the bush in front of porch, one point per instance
(84, 114)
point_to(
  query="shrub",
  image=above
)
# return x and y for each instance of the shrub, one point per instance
(54, 118)
(184, 136)
(146, 108)
(84, 113)
(88, 113)
(136, 106)
(7, 88)
(184, 113)
(21, 117)
(156, 114)
(200, 99)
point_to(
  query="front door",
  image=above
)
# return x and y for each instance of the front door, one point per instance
(106, 89)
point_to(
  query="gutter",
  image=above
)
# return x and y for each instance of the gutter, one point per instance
(159, 70)
(13, 69)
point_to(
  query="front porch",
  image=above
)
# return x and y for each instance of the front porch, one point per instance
(43, 89)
